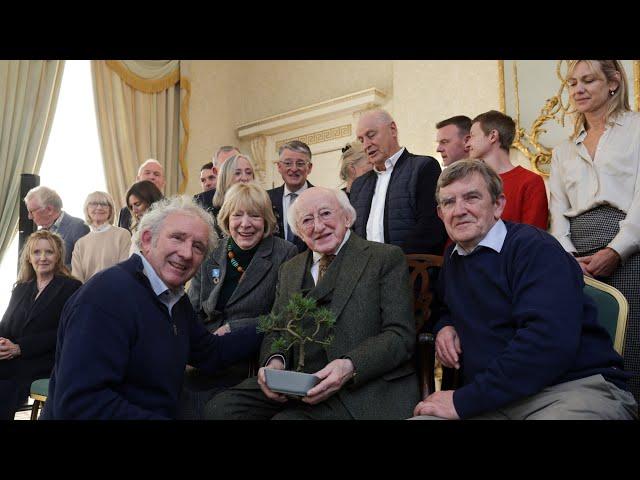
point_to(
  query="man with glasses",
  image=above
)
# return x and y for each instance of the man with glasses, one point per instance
(294, 166)
(45, 209)
(367, 371)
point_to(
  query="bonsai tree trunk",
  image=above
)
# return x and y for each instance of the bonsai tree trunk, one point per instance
(301, 358)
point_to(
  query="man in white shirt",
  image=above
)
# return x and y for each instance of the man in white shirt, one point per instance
(395, 202)
(294, 165)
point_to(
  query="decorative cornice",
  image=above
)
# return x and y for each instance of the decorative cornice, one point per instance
(320, 136)
(354, 102)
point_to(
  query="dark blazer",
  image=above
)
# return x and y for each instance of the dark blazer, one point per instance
(410, 210)
(71, 229)
(37, 334)
(253, 296)
(275, 194)
(124, 218)
(367, 288)
(35, 331)
(121, 356)
(205, 199)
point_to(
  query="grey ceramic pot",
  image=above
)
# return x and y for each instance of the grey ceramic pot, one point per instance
(291, 383)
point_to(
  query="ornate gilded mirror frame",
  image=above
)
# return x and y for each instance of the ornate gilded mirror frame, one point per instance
(555, 108)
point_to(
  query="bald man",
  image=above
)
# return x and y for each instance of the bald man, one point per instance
(395, 202)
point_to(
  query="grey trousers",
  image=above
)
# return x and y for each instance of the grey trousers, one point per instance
(590, 398)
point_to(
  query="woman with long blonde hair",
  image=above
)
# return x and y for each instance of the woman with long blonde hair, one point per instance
(28, 330)
(595, 188)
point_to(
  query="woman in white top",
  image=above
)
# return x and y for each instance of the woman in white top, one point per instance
(595, 194)
(105, 245)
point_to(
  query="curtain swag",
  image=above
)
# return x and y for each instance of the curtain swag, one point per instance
(146, 85)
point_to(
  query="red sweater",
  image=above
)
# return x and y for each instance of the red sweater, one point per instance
(526, 198)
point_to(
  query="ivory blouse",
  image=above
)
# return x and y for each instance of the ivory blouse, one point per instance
(578, 183)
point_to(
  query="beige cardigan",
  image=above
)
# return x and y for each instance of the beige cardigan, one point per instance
(99, 250)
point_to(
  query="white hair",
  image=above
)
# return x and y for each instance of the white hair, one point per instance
(44, 196)
(147, 162)
(154, 218)
(341, 197)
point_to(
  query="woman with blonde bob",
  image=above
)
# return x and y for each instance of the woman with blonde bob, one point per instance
(105, 245)
(237, 282)
(595, 188)
(28, 330)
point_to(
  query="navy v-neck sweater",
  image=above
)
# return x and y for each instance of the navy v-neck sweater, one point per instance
(523, 320)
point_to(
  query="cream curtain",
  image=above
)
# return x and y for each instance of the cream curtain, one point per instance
(28, 101)
(138, 113)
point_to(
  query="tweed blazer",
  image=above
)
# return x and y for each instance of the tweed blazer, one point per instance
(367, 288)
(253, 296)
(71, 229)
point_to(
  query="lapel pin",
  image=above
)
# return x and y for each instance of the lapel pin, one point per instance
(215, 274)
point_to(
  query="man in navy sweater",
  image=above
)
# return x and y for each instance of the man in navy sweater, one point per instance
(124, 340)
(518, 322)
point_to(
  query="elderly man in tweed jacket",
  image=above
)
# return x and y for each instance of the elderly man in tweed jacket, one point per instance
(366, 372)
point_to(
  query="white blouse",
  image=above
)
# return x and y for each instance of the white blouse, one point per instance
(578, 183)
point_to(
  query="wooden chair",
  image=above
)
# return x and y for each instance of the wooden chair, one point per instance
(423, 270)
(613, 309)
(39, 392)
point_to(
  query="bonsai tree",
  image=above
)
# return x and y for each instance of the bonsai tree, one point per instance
(298, 323)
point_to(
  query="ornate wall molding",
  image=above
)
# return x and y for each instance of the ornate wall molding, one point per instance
(313, 114)
(320, 136)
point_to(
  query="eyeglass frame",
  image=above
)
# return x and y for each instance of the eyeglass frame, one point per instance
(96, 204)
(291, 164)
(315, 217)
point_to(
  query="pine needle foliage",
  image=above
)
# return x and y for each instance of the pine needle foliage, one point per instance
(300, 322)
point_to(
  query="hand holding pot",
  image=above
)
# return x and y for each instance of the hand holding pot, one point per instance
(332, 378)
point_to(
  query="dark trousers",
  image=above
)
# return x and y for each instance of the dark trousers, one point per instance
(247, 402)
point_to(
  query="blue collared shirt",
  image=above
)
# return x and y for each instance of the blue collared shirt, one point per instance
(166, 296)
(494, 239)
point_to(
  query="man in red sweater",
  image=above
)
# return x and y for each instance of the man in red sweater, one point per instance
(492, 134)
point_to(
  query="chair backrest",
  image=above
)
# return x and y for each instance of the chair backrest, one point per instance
(420, 265)
(612, 309)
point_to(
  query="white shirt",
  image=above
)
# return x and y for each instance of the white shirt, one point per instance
(494, 239)
(286, 202)
(315, 270)
(375, 223)
(102, 228)
(315, 267)
(578, 183)
(167, 296)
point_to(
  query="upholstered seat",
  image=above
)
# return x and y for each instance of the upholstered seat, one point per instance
(39, 392)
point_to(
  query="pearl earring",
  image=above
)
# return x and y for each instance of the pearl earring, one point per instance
(612, 92)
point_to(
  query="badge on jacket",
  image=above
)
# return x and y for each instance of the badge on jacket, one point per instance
(215, 275)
